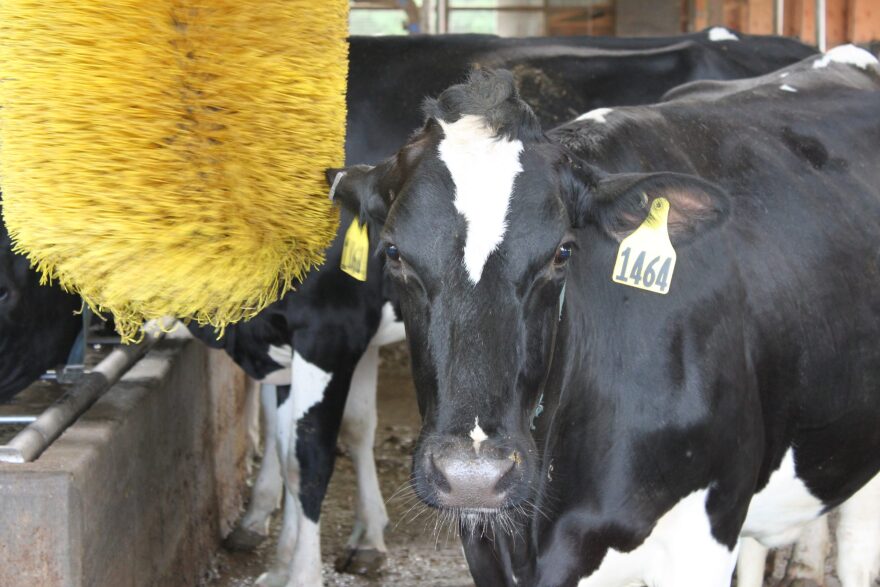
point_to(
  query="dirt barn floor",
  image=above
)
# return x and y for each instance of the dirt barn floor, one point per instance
(416, 558)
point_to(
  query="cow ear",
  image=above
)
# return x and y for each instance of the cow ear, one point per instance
(357, 189)
(619, 203)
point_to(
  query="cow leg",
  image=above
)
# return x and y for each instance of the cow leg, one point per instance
(278, 575)
(366, 550)
(806, 568)
(858, 537)
(308, 424)
(253, 528)
(751, 564)
(252, 417)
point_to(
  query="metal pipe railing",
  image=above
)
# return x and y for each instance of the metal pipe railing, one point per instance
(30, 443)
(779, 17)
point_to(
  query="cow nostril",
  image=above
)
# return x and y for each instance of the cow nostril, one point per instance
(509, 477)
(437, 477)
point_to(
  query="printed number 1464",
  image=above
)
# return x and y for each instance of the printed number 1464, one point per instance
(654, 274)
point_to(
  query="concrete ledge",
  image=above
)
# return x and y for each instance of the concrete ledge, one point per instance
(140, 490)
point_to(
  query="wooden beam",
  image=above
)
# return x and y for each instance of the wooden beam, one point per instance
(715, 12)
(863, 21)
(701, 15)
(837, 22)
(736, 14)
(760, 17)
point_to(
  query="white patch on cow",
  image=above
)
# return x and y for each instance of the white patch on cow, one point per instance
(679, 552)
(751, 563)
(788, 88)
(597, 115)
(305, 569)
(777, 513)
(298, 557)
(483, 168)
(477, 435)
(309, 384)
(847, 54)
(784, 74)
(390, 329)
(720, 33)
(358, 433)
(858, 537)
(283, 355)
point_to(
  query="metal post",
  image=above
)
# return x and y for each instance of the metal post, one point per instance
(442, 16)
(30, 443)
(821, 22)
(778, 17)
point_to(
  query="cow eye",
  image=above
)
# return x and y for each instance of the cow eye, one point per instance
(4, 294)
(563, 254)
(392, 252)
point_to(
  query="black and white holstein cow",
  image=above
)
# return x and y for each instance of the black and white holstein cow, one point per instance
(682, 299)
(37, 323)
(331, 327)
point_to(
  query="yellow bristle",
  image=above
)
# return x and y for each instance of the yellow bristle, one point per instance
(165, 157)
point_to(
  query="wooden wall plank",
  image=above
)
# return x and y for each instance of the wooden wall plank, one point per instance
(760, 17)
(701, 15)
(836, 22)
(863, 21)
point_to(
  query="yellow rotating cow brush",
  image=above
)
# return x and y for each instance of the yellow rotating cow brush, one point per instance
(166, 157)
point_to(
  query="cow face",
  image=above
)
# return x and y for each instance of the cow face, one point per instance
(478, 216)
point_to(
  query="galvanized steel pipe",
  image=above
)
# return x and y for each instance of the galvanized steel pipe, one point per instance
(30, 443)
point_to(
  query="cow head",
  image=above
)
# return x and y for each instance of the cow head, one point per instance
(479, 215)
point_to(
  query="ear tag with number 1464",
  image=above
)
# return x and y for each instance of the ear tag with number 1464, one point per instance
(646, 259)
(356, 250)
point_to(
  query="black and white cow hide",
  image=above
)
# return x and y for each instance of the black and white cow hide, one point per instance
(646, 335)
(329, 324)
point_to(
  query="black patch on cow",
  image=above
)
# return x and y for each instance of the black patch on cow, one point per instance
(282, 392)
(806, 147)
(491, 95)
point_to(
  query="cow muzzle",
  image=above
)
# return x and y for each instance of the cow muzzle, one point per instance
(469, 476)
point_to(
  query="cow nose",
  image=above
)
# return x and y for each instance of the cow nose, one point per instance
(471, 482)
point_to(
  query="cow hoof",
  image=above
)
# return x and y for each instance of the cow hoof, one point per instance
(242, 539)
(367, 562)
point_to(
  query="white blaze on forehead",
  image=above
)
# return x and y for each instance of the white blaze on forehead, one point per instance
(477, 435)
(719, 33)
(848, 54)
(598, 115)
(787, 88)
(483, 168)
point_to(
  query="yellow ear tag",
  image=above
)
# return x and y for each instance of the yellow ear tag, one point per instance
(646, 259)
(355, 251)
